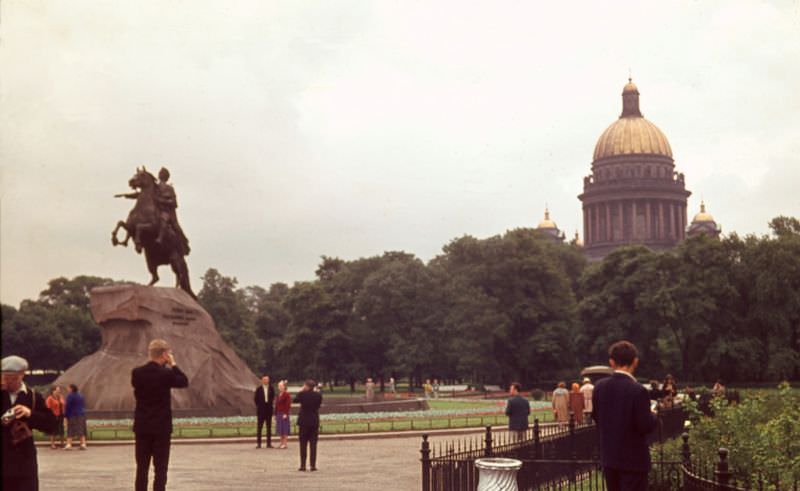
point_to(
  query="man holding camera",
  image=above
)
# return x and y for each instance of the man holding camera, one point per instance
(152, 421)
(23, 410)
(310, 401)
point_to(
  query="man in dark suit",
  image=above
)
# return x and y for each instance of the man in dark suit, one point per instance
(152, 421)
(21, 405)
(517, 409)
(308, 422)
(621, 408)
(264, 398)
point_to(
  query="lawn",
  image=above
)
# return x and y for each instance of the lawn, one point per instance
(443, 414)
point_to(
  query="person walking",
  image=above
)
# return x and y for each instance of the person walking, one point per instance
(283, 406)
(668, 392)
(517, 409)
(55, 403)
(436, 388)
(576, 403)
(75, 416)
(369, 390)
(561, 404)
(152, 420)
(427, 388)
(392, 387)
(308, 423)
(587, 389)
(621, 409)
(23, 409)
(264, 397)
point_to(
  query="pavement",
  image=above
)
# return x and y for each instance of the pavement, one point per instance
(356, 462)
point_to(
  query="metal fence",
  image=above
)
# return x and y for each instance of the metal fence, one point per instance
(558, 458)
(549, 453)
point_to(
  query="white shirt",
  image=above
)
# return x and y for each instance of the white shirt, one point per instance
(266, 392)
(13, 395)
(628, 374)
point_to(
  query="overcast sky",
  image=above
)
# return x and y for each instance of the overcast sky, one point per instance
(296, 129)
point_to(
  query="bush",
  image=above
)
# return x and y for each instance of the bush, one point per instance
(537, 394)
(761, 433)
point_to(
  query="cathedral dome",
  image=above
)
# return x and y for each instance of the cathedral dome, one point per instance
(547, 224)
(703, 216)
(631, 134)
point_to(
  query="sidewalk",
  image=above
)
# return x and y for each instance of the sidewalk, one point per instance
(355, 464)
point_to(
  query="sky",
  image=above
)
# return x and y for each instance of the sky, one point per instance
(296, 129)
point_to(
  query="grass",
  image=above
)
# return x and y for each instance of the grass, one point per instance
(399, 422)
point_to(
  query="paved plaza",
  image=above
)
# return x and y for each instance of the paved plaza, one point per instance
(344, 464)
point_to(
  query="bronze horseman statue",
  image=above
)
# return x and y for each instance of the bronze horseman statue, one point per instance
(153, 225)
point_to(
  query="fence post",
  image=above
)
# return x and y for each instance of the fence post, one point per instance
(722, 474)
(426, 463)
(537, 441)
(487, 449)
(686, 452)
(572, 436)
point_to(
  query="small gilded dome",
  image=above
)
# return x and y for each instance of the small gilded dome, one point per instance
(547, 224)
(631, 134)
(703, 216)
(630, 87)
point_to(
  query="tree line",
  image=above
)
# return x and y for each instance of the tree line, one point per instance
(513, 306)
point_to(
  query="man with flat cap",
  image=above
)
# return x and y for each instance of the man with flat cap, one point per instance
(22, 410)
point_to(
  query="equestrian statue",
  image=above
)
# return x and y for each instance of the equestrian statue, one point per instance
(153, 226)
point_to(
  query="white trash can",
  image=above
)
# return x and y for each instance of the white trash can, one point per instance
(497, 474)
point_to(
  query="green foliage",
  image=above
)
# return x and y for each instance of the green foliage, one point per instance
(513, 306)
(228, 307)
(57, 330)
(761, 433)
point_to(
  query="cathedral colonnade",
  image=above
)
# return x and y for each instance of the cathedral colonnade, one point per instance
(634, 195)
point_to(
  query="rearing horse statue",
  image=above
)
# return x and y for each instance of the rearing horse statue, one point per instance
(144, 225)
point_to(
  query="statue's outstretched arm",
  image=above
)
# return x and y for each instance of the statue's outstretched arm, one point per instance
(127, 195)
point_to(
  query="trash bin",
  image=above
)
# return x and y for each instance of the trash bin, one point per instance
(497, 474)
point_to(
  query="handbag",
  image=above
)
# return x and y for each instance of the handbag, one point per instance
(20, 431)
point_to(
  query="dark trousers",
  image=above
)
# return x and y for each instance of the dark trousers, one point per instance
(264, 418)
(617, 480)
(20, 483)
(308, 435)
(156, 447)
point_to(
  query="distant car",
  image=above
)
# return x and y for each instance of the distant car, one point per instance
(596, 372)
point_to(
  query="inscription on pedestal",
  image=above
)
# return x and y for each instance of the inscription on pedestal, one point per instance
(180, 316)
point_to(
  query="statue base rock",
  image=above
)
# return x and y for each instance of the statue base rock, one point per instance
(130, 316)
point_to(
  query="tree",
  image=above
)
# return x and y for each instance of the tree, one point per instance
(526, 277)
(234, 321)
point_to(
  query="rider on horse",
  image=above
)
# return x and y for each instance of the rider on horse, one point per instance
(166, 202)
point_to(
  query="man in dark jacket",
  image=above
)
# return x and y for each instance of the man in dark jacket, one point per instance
(308, 422)
(21, 405)
(264, 398)
(152, 421)
(621, 408)
(517, 409)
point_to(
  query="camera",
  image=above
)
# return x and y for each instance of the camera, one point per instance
(9, 416)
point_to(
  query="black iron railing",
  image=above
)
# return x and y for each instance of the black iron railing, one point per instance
(549, 453)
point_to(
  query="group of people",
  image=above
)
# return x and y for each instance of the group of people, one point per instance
(431, 389)
(618, 404)
(576, 402)
(69, 412)
(310, 400)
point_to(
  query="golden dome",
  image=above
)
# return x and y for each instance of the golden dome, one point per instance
(630, 87)
(547, 223)
(703, 216)
(631, 134)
